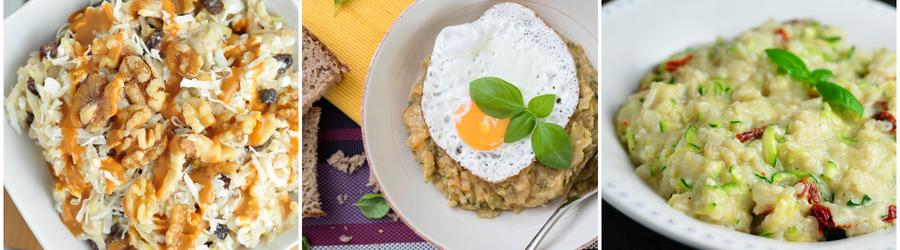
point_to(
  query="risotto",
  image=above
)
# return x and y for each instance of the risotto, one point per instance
(732, 135)
(166, 124)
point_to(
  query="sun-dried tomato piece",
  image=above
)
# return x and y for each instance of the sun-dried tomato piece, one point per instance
(782, 33)
(674, 65)
(811, 191)
(886, 116)
(892, 214)
(752, 134)
(823, 216)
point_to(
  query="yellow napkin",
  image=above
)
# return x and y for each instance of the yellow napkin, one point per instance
(352, 31)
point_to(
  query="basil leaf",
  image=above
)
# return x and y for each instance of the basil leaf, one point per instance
(496, 97)
(373, 206)
(520, 126)
(789, 63)
(306, 245)
(839, 98)
(542, 105)
(552, 146)
(819, 75)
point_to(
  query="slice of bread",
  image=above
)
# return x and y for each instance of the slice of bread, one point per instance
(311, 205)
(321, 69)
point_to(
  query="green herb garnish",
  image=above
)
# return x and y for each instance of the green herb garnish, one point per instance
(838, 97)
(542, 105)
(496, 97)
(373, 206)
(306, 245)
(500, 99)
(865, 200)
(520, 126)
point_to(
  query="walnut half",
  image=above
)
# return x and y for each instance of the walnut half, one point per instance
(96, 101)
(183, 60)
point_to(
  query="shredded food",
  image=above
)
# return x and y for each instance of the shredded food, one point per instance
(167, 124)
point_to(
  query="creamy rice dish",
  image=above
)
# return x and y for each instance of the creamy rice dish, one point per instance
(166, 124)
(740, 134)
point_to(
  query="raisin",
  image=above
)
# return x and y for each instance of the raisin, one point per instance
(155, 39)
(208, 244)
(48, 50)
(226, 180)
(221, 231)
(92, 244)
(213, 6)
(32, 88)
(286, 62)
(111, 152)
(29, 119)
(268, 96)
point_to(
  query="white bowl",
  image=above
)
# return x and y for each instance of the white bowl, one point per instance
(394, 69)
(637, 34)
(25, 173)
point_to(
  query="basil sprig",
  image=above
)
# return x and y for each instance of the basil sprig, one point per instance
(838, 97)
(373, 206)
(500, 99)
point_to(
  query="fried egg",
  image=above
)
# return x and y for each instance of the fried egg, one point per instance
(510, 42)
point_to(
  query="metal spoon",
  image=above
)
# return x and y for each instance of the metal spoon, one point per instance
(565, 207)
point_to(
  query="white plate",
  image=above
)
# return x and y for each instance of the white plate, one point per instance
(394, 69)
(25, 173)
(639, 34)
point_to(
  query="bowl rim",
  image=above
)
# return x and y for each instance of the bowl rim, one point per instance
(372, 67)
(633, 212)
(30, 224)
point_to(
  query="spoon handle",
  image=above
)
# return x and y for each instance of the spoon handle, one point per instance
(565, 207)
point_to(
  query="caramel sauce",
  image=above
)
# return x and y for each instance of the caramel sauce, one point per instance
(248, 209)
(173, 87)
(86, 24)
(170, 26)
(83, 68)
(263, 130)
(286, 205)
(71, 151)
(136, 6)
(240, 26)
(68, 214)
(231, 84)
(204, 177)
(183, 228)
(115, 168)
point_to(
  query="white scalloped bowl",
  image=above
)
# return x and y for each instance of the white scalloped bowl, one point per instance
(396, 66)
(25, 173)
(638, 34)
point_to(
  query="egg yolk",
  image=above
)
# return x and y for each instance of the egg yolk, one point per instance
(477, 129)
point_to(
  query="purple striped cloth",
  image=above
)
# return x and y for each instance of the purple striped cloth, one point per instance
(338, 132)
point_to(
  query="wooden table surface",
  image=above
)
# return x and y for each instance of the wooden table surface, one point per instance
(16, 233)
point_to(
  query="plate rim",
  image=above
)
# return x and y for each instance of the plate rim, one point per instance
(363, 120)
